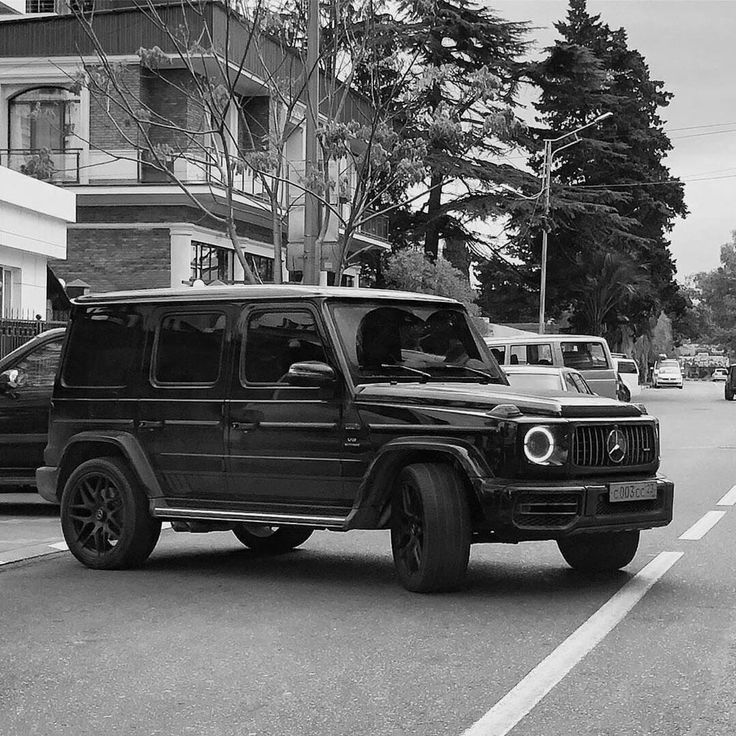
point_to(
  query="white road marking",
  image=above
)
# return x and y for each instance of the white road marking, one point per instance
(519, 701)
(729, 499)
(701, 527)
(59, 545)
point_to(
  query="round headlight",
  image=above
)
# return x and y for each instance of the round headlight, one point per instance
(539, 444)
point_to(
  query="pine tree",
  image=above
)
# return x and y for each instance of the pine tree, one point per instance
(610, 192)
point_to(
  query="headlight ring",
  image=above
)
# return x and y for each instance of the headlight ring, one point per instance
(539, 445)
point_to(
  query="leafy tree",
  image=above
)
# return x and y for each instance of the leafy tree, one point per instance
(410, 269)
(610, 193)
(448, 70)
(718, 294)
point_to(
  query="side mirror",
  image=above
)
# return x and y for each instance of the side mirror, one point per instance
(310, 373)
(10, 380)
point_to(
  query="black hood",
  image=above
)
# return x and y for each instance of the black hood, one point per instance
(484, 397)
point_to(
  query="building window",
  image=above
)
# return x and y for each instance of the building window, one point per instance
(42, 140)
(210, 263)
(261, 266)
(6, 292)
(40, 6)
(45, 117)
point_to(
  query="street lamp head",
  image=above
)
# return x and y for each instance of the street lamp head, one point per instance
(602, 117)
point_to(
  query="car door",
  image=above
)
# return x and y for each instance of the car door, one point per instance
(24, 410)
(181, 411)
(284, 441)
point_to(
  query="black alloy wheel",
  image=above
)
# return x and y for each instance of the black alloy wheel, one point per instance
(430, 528)
(599, 551)
(272, 540)
(105, 518)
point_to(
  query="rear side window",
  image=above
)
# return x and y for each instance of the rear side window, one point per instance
(627, 366)
(499, 353)
(585, 356)
(531, 354)
(189, 348)
(104, 346)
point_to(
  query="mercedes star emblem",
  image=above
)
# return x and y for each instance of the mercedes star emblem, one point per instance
(616, 445)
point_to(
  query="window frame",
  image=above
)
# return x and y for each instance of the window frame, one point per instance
(242, 326)
(174, 385)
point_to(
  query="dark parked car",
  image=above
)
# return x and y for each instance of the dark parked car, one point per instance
(729, 387)
(26, 381)
(273, 411)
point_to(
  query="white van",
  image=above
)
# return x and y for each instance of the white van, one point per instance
(587, 353)
(628, 371)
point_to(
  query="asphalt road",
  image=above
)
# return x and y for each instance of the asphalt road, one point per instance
(210, 639)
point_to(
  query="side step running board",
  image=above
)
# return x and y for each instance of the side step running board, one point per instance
(249, 517)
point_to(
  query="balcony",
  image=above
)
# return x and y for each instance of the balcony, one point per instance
(53, 166)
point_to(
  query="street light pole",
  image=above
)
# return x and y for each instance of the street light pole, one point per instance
(546, 186)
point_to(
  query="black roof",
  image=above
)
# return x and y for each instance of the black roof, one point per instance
(253, 292)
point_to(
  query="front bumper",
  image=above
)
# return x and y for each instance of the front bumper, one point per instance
(534, 510)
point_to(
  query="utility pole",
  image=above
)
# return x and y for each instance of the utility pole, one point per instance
(546, 186)
(312, 258)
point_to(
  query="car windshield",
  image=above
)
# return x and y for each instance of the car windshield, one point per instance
(412, 342)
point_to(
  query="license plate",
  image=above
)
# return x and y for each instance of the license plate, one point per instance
(640, 490)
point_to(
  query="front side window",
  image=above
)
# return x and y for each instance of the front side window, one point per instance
(414, 342)
(275, 340)
(39, 366)
(189, 348)
(104, 344)
(584, 356)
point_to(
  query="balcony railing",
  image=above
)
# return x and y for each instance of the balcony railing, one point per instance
(376, 227)
(54, 166)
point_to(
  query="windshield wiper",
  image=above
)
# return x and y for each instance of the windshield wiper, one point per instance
(425, 376)
(479, 372)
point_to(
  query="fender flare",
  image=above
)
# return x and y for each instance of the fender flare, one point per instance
(377, 483)
(128, 446)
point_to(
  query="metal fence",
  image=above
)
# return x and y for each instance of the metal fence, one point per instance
(14, 332)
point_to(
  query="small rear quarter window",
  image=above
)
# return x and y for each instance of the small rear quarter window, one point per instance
(104, 346)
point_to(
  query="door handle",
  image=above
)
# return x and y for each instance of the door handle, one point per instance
(244, 426)
(151, 424)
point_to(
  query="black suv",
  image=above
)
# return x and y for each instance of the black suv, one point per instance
(273, 411)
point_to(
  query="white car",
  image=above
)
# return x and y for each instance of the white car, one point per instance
(628, 371)
(543, 379)
(667, 373)
(720, 374)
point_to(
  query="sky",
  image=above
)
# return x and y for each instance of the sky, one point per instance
(689, 45)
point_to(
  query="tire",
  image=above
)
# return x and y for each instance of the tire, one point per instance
(430, 528)
(728, 393)
(104, 516)
(272, 540)
(599, 552)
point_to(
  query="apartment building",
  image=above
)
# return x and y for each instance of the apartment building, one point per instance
(136, 227)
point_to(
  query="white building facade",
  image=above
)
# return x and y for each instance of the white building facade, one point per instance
(33, 224)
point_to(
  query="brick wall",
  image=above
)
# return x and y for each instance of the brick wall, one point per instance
(117, 259)
(103, 134)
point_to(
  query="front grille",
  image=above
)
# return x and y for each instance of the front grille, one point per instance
(589, 445)
(546, 510)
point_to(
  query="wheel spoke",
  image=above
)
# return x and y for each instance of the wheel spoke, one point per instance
(83, 542)
(86, 493)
